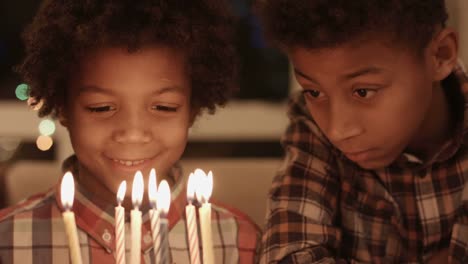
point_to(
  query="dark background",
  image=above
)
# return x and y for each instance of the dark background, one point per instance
(263, 74)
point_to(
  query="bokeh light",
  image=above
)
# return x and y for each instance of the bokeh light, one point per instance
(44, 143)
(22, 92)
(8, 147)
(47, 127)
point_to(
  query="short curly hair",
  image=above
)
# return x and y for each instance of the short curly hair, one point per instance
(63, 31)
(329, 23)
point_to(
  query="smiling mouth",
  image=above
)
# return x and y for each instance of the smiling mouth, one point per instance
(129, 163)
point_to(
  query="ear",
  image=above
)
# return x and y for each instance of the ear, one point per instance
(444, 53)
(62, 117)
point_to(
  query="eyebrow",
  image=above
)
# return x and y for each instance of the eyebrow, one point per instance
(348, 76)
(305, 76)
(93, 89)
(364, 71)
(169, 89)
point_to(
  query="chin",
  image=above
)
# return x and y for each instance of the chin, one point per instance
(375, 164)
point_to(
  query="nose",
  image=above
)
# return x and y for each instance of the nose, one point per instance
(343, 124)
(133, 127)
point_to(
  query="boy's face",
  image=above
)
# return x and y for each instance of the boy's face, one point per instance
(128, 112)
(369, 99)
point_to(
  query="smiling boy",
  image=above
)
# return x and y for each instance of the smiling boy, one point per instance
(127, 79)
(376, 163)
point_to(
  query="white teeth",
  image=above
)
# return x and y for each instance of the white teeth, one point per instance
(129, 163)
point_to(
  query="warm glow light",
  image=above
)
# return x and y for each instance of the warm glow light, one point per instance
(204, 186)
(67, 191)
(121, 192)
(46, 127)
(137, 189)
(192, 183)
(152, 188)
(164, 197)
(34, 104)
(44, 143)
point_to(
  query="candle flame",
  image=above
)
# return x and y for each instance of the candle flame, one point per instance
(121, 192)
(192, 183)
(164, 197)
(152, 188)
(137, 189)
(205, 185)
(67, 190)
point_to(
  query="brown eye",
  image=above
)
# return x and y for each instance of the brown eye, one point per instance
(362, 92)
(313, 93)
(165, 108)
(365, 93)
(101, 109)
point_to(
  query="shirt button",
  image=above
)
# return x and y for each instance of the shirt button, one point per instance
(147, 238)
(106, 236)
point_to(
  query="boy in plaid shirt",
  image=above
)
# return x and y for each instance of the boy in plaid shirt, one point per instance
(127, 79)
(376, 150)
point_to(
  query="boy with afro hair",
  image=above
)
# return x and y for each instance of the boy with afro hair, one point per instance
(376, 161)
(127, 79)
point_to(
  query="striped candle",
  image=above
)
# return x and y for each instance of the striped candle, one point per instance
(120, 225)
(154, 216)
(155, 231)
(190, 214)
(165, 257)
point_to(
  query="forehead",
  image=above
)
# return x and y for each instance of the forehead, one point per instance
(357, 54)
(147, 68)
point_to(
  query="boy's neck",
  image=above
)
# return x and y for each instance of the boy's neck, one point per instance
(437, 127)
(101, 195)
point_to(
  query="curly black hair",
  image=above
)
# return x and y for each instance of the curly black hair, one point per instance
(63, 31)
(329, 23)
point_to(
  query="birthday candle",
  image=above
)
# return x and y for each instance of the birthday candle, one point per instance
(67, 193)
(192, 220)
(120, 225)
(135, 218)
(164, 202)
(203, 192)
(154, 216)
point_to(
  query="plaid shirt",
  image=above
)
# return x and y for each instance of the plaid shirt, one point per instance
(325, 209)
(33, 231)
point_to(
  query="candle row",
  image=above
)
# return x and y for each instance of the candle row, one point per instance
(200, 186)
(160, 200)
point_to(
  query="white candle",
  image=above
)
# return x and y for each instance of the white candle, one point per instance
(120, 225)
(164, 202)
(67, 193)
(154, 216)
(203, 192)
(135, 218)
(191, 216)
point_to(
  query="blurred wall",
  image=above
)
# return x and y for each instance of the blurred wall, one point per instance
(458, 11)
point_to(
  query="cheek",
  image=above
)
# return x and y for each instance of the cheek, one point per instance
(84, 139)
(319, 114)
(85, 133)
(399, 117)
(174, 134)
